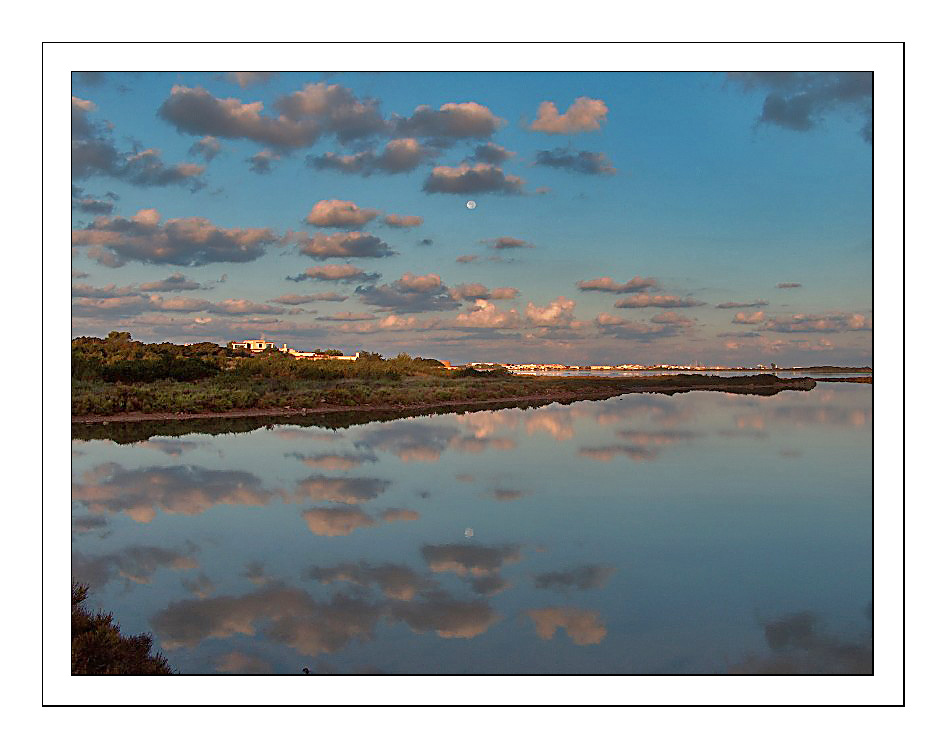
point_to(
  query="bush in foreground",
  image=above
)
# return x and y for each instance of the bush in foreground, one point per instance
(98, 647)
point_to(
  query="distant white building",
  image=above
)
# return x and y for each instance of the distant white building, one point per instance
(254, 345)
(313, 355)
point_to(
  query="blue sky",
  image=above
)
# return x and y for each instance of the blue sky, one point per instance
(192, 191)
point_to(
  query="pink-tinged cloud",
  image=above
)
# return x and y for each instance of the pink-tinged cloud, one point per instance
(347, 316)
(207, 148)
(732, 305)
(472, 179)
(559, 312)
(183, 242)
(504, 292)
(410, 293)
(399, 156)
(336, 521)
(295, 299)
(657, 300)
(237, 662)
(469, 559)
(581, 625)
(262, 161)
(336, 272)
(506, 243)
(491, 153)
(196, 111)
(176, 282)
(338, 213)
(475, 291)
(283, 615)
(749, 319)
(583, 115)
(484, 314)
(670, 318)
(825, 323)
(583, 162)
(403, 222)
(451, 121)
(245, 79)
(607, 284)
(344, 245)
(242, 307)
(605, 319)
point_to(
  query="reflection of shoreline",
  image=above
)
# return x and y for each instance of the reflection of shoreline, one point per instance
(762, 385)
(861, 379)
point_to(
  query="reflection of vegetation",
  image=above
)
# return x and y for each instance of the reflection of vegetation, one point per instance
(98, 647)
(800, 644)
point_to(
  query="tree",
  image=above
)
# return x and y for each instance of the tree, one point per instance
(98, 646)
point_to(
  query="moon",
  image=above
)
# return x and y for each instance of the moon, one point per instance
(471, 205)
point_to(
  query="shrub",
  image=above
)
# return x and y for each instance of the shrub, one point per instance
(98, 647)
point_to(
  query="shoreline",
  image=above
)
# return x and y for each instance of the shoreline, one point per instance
(609, 388)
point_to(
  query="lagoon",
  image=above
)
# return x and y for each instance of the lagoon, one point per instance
(700, 533)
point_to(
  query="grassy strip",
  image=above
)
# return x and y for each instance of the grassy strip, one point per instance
(228, 393)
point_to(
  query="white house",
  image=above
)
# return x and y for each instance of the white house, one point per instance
(254, 345)
(313, 355)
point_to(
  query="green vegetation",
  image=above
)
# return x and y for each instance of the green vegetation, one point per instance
(116, 376)
(98, 646)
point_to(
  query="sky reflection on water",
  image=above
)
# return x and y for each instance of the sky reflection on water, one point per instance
(698, 533)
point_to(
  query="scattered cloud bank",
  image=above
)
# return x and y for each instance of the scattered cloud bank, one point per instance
(94, 153)
(410, 293)
(826, 323)
(800, 101)
(399, 156)
(181, 242)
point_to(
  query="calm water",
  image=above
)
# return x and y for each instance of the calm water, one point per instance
(699, 533)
